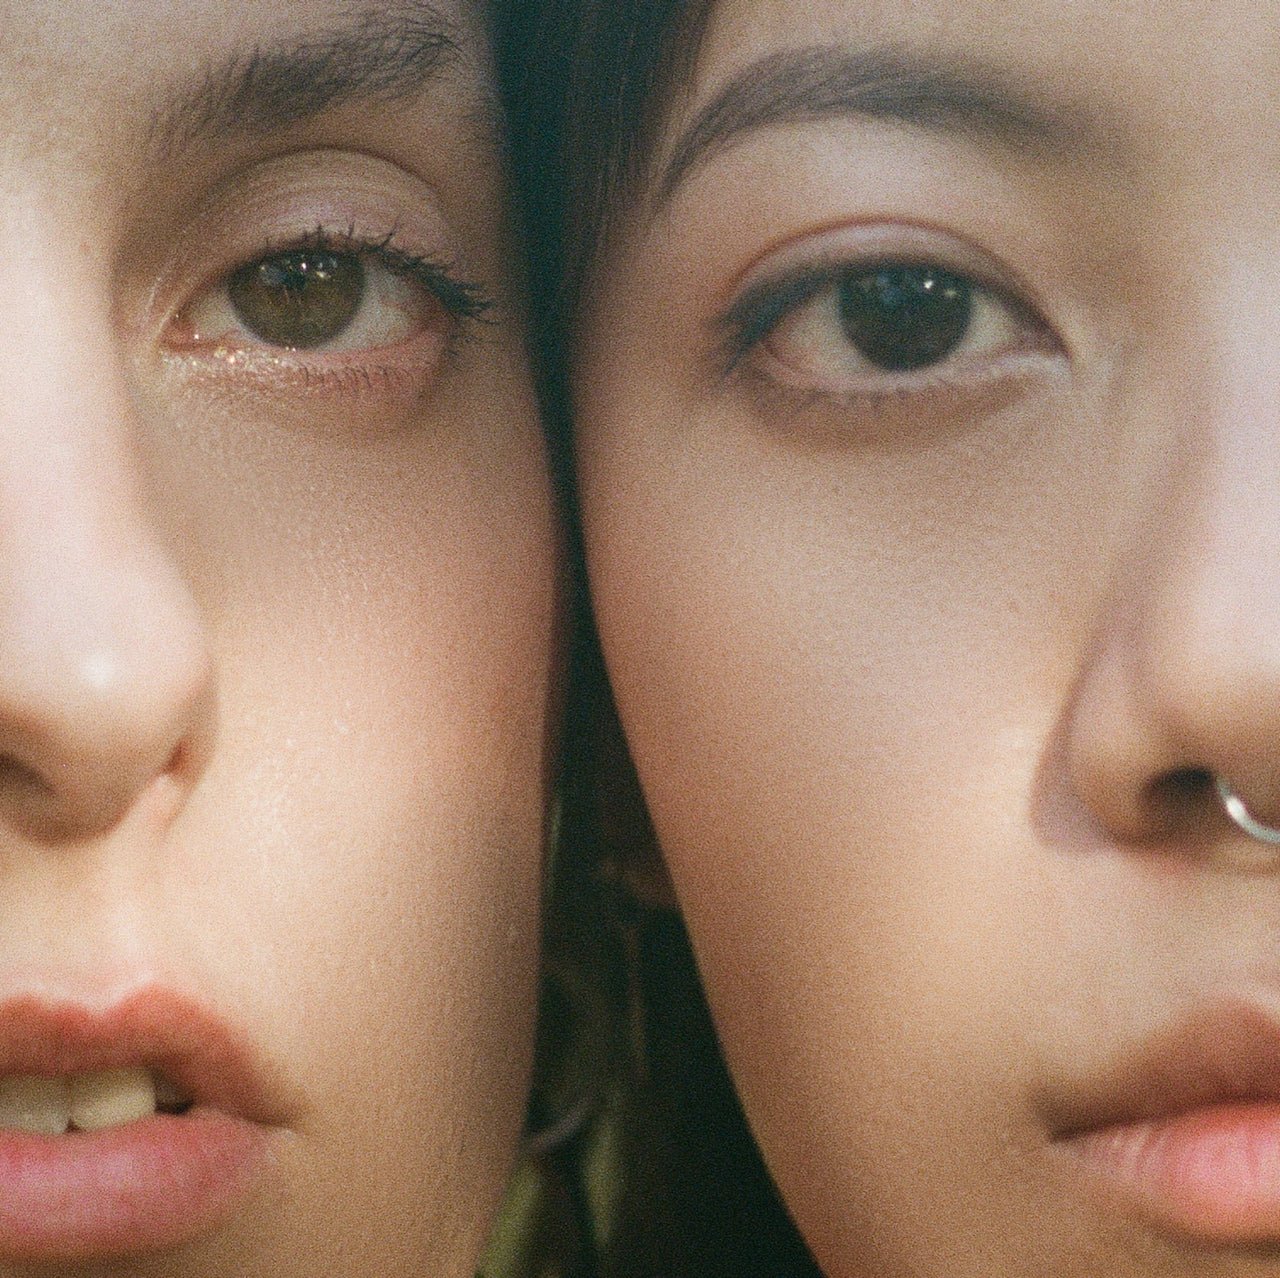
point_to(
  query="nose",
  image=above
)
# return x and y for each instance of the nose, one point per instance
(106, 679)
(1182, 685)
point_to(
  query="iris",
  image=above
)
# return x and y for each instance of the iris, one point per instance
(904, 317)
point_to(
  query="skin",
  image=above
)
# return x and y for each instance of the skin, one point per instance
(923, 678)
(277, 629)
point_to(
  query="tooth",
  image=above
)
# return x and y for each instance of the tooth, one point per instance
(29, 1103)
(110, 1097)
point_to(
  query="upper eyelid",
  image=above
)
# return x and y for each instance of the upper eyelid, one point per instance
(464, 300)
(461, 298)
(836, 247)
(281, 201)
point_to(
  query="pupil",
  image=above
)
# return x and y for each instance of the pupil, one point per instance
(904, 317)
(298, 299)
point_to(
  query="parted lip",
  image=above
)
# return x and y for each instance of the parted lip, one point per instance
(152, 1027)
(1223, 1052)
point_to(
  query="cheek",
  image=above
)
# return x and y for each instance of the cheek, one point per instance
(371, 825)
(837, 700)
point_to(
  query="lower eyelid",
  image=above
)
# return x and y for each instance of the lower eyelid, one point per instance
(373, 393)
(380, 370)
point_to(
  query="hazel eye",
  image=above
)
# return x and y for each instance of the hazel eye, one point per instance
(299, 299)
(320, 298)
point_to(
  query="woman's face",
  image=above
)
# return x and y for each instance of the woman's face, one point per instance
(930, 449)
(277, 572)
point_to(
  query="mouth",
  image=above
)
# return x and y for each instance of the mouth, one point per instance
(125, 1131)
(1187, 1128)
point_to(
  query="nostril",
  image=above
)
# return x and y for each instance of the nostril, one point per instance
(19, 780)
(35, 803)
(43, 807)
(1178, 801)
(50, 802)
(181, 761)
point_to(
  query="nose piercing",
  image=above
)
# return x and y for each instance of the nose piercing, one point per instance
(1237, 811)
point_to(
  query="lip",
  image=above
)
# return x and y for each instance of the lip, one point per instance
(1187, 1127)
(145, 1185)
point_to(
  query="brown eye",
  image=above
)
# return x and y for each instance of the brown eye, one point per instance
(904, 317)
(298, 299)
(880, 326)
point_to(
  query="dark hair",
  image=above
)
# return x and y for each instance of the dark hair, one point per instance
(624, 1029)
(585, 84)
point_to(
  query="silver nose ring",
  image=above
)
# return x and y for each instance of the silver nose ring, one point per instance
(1237, 811)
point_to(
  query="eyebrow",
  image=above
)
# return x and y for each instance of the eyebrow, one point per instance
(801, 85)
(377, 55)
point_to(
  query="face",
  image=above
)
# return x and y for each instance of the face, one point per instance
(276, 621)
(928, 456)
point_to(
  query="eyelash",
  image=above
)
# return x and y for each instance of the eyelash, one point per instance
(461, 299)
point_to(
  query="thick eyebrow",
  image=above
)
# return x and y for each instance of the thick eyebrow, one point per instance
(378, 55)
(800, 85)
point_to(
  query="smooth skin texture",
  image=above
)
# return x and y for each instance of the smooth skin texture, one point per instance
(925, 671)
(277, 627)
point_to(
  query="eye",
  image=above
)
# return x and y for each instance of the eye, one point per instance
(877, 326)
(327, 297)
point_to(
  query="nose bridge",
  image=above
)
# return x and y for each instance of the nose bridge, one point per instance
(1213, 613)
(1209, 652)
(1185, 678)
(105, 674)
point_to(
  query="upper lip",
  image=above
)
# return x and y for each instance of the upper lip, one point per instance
(1222, 1052)
(153, 1027)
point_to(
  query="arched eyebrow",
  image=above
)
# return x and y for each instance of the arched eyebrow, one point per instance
(377, 54)
(823, 82)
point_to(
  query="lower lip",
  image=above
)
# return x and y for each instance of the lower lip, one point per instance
(138, 1187)
(1212, 1173)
